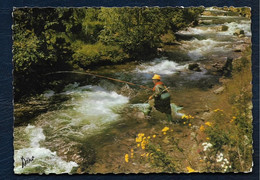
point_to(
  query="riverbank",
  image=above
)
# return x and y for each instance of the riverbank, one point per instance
(187, 146)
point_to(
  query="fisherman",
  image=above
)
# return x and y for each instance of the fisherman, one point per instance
(160, 99)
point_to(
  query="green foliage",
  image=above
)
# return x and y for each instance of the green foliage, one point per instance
(161, 159)
(217, 133)
(97, 53)
(51, 39)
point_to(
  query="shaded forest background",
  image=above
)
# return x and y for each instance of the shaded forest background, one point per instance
(53, 39)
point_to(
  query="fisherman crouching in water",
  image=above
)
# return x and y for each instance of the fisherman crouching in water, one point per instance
(160, 99)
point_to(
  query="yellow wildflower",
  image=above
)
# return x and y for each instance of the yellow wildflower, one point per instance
(190, 169)
(164, 133)
(140, 137)
(158, 150)
(190, 124)
(234, 117)
(138, 145)
(165, 129)
(154, 136)
(143, 143)
(126, 157)
(201, 160)
(147, 154)
(202, 128)
(132, 150)
(143, 154)
(184, 122)
(208, 123)
(148, 137)
(207, 138)
(171, 130)
(232, 120)
(132, 155)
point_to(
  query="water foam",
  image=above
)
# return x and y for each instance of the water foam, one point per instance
(196, 31)
(162, 66)
(44, 161)
(89, 110)
(243, 25)
(200, 48)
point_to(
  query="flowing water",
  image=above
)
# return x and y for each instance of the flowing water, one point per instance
(80, 117)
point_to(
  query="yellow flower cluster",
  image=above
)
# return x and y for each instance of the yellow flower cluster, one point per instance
(132, 153)
(140, 137)
(126, 158)
(202, 128)
(190, 169)
(187, 117)
(208, 123)
(216, 110)
(144, 143)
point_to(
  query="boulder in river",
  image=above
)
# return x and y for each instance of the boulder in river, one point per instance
(194, 67)
(224, 28)
(239, 32)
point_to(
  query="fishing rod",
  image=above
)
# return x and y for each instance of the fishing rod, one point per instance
(105, 77)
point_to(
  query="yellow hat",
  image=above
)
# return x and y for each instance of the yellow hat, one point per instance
(156, 76)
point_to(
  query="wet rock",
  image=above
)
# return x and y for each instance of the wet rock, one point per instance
(206, 22)
(126, 91)
(239, 32)
(219, 90)
(240, 48)
(241, 35)
(224, 28)
(237, 50)
(194, 67)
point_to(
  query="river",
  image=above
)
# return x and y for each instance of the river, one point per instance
(67, 128)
